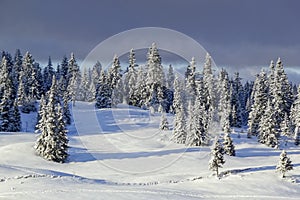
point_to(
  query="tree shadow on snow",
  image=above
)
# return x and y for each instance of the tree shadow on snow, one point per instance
(83, 155)
(261, 152)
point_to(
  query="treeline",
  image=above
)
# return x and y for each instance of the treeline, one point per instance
(201, 100)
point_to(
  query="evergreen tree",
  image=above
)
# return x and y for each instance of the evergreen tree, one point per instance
(103, 93)
(17, 67)
(268, 130)
(228, 145)
(52, 142)
(66, 109)
(190, 81)
(73, 78)
(284, 165)
(15, 119)
(36, 89)
(209, 85)
(62, 150)
(141, 91)
(64, 75)
(155, 79)
(217, 157)
(117, 94)
(285, 126)
(198, 127)
(41, 118)
(114, 73)
(224, 101)
(170, 78)
(83, 90)
(130, 80)
(91, 96)
(280, 92)
(260, 98)
(7, 99)
(47, 75)
(96, 72)
(295, 110)
(164, 125)
(237, 103)
(247, 100)
(178, 100)
(179, 130)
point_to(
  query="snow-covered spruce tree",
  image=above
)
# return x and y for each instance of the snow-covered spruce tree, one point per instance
(260, 98)
(141, 94)
(198, 126)
(280, 91)
(7, 99)
(7, 71)
(248, 87)
(73, 78)
(217, 157)
(164, 124)
(179, 130)
(103, 93)
(237, 101)
(96, 71)
(130, 80)
(209, 85)
(41, 113)
(62, 134)
(15, 118)
(48, 73)
(117, 94)
(18, 63)
(114, 73)
(91, 96)
(37, 83)
(31, 79)
(229, 148)
(64, 75)
(285, 127)
(66, 109)
(223, 99)
(155, 79)
(178, 100)
(268, 129)
(295, 110)
(284, 165)
(83, 90)
(52, 143)
(190, 81)
(170, 78)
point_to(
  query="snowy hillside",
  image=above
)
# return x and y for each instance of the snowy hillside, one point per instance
(120, 154)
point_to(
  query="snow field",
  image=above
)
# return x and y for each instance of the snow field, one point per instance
(126, 157)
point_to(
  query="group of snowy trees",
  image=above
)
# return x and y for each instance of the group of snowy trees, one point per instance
(274, 110)
(22, 83)
(143, 86)
(201, 101)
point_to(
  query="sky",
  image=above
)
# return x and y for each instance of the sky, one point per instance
(237, 34)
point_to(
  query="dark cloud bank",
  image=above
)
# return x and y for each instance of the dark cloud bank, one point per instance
(238, 34)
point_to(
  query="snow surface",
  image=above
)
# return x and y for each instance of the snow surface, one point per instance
(120, 154)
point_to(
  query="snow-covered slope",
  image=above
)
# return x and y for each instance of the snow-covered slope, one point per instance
(121, 154)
